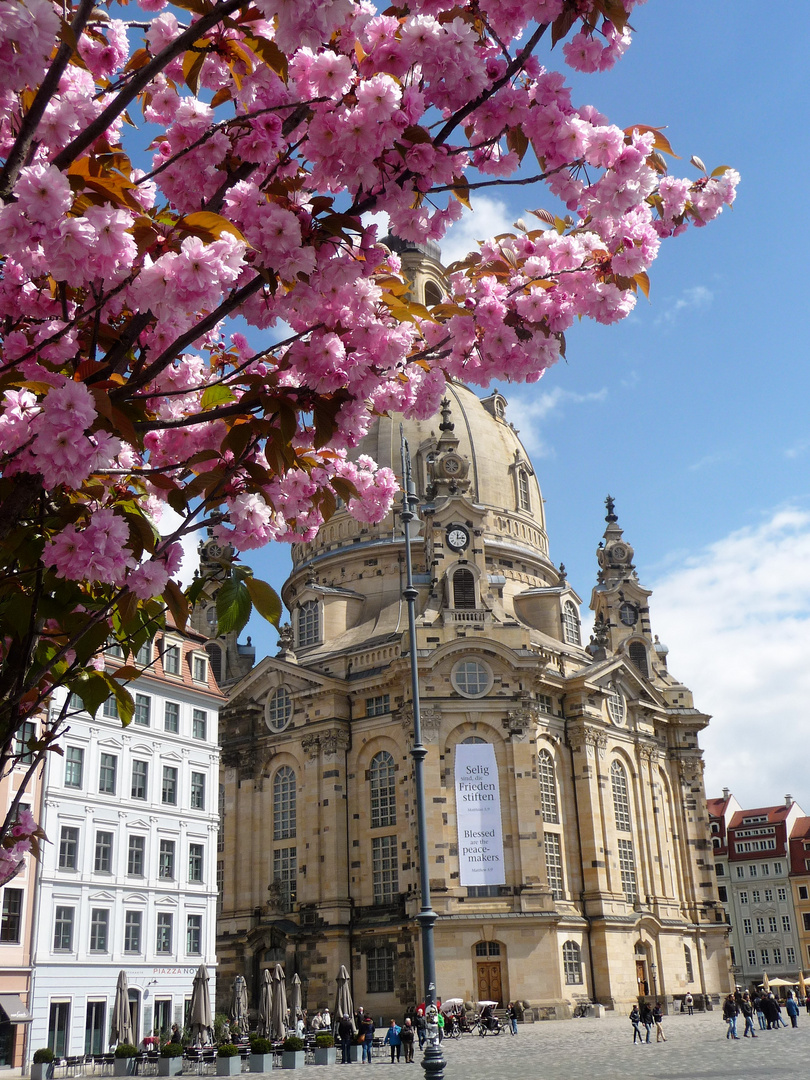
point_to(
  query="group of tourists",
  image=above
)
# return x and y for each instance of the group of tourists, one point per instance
(767, 1008)
(399, 1039)
(647, 1017)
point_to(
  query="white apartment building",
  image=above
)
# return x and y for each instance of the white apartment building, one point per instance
(128, 880)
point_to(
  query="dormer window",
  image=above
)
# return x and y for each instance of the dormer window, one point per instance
(524, 496)
(199, 668)
(464, 589)
(171, 658)
(309, 623)
(637, 651)
(570, 621)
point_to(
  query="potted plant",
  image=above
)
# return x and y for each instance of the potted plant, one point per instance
(41, 1061)
(356, 1048)
(229, 1060)
(123, 1064)
(261, 1055)
(325, 1050)
(170, 1062)
(292, 1053)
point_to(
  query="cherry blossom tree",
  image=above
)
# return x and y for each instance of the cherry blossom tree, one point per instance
(197, 315)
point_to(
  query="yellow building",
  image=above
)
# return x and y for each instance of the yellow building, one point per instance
(603, 881)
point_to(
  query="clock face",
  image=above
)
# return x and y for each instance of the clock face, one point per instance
(628, 613)
(457, 537)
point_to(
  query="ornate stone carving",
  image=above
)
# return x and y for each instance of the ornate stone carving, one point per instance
(430, 718)
(334, 740)
(649, 754)
(518, 722)
(311, 744)
(691, 770)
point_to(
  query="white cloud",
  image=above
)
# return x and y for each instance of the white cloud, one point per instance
(169, 521)
(697, 298)
(530, 406)
(736, 618)
(489, 218)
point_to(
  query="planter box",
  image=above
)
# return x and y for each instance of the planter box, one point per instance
(261, 1063)
(170, 1066)
(39, 1070)
(355, 1053)
(229, 1066)
(292, 1059)
(325, 1055)
(123, 1066)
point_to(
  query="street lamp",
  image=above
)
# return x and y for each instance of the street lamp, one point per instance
(433, 1062)
(653, 973)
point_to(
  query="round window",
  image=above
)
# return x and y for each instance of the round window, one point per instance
(615, 704)
(278, 709)
(471, 678)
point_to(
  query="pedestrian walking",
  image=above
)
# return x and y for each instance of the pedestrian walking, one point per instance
(367, 1031)
(792, 1009)
(759, 1009)
(658, 1017)
(730, 1013)
(635, 1020)
(406, 1037)
(747, 1009)
(421, 1027)
(512, 1017)
(392, 1039)
(689, 1002)
(647, 1020)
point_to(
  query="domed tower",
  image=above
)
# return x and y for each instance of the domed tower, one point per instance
(480, 554)
(592, 880)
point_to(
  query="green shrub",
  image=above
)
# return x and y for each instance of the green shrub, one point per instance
(259, 1045)
(171, 1049)
(324, 1042)
(293, 1043)
(228, 1050)
(125, 1050)
(220, 1020)
(43, 1056)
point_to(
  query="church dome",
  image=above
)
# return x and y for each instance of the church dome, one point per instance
(470, 452)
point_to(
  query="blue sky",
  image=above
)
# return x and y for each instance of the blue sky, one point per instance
(693, 413)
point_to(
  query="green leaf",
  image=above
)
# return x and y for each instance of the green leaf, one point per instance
(265, 599)
(217, 395)
(233, 606)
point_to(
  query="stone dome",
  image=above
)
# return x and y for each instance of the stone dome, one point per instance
(469, 451)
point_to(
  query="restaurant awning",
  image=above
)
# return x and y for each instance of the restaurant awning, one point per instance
(13, 1010)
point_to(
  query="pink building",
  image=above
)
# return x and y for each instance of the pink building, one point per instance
(17, 913)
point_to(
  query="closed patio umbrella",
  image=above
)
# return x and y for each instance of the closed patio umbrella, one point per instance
(766, 985)
(265, 1005)
(239, 1006)
(278, 1015)
(199, 1016)
(295, 997)
(343, 999)
(121, 1027)
(802, 985)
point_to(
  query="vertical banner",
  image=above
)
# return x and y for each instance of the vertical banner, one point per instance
(478, 815)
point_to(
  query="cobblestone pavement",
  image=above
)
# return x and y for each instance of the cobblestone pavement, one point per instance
(696, 1049)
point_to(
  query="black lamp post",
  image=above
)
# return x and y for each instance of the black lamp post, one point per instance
(433, 1062)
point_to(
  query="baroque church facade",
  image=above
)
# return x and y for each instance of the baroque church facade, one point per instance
(606, 887)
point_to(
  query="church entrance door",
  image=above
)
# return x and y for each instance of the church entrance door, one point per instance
(641, 977)
(489, 981)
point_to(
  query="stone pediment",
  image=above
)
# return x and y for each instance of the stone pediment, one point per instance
(273, 672)
(618, 669)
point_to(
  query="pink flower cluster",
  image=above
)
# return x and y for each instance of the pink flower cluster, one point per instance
(16, 844)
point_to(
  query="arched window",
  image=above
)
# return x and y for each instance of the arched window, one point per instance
(215, 658)
(621, 800)
(284, 803)
(463, 589)
(637, 651)
(309, 623)
(548, 788)
(279, 709)
(687, 958)
(471, 678)
(570, 620)
(524, 495)
(433, 294)
(572, 963)
(616, 706)
(473, 739)
(382, 782)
